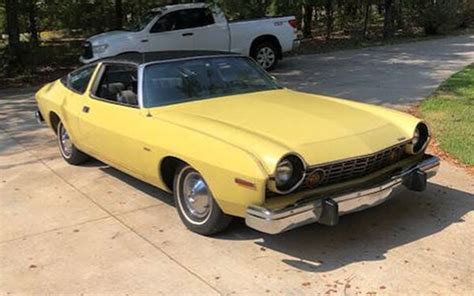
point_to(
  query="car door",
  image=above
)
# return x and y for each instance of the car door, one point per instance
(210, 33)
(77, 83)
(112, 122)
(170, 32)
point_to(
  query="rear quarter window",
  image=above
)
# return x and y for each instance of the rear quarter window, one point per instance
(78, 80)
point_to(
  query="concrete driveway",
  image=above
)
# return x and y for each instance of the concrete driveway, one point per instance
(395, 76)
(93, 229)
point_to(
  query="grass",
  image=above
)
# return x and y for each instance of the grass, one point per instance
(450, 112)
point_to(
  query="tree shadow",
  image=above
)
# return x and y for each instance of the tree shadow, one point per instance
(389, 75)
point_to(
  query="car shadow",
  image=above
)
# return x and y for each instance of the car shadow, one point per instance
(146, 188)
(367, 235)
(362, 236)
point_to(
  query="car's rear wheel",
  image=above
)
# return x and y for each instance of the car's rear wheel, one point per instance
(68, 151)
(195, 204)
(266, 55)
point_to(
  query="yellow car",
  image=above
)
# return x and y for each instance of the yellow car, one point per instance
(228, 141)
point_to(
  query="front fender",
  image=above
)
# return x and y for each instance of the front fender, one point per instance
(219, 162)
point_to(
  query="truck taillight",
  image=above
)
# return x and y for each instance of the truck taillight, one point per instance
(293, 23)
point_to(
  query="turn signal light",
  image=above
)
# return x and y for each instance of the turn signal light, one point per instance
(245, 183)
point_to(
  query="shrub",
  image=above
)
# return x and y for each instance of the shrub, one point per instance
(440, 16)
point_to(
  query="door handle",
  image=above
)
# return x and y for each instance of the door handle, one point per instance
(86, 109)
(144, 40)
(187, 34)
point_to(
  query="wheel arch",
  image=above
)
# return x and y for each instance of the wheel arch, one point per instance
(54, 120)
(267, 38)
(167, 170)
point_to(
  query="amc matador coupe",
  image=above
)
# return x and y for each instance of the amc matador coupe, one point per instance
(228, 141)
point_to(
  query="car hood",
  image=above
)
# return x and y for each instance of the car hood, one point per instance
(271, 124)
(108, 37)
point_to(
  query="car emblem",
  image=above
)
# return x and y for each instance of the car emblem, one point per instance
(315, 178)
(393, 156)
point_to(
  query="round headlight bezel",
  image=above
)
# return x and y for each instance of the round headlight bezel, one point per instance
(420, 140)
(297, 177)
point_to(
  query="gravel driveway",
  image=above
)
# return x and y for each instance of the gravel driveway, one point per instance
(92, 229)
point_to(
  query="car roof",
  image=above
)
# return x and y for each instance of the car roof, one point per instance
(149, 57)
(174, 7)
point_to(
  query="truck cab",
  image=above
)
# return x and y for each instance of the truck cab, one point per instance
(197, 27)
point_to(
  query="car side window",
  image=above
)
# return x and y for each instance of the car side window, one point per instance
(193, 18)
(165, 23)
(184, 19)
(118, 84)
(79, 80)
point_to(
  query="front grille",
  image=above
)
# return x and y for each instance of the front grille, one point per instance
(87, 51)
(351, 169)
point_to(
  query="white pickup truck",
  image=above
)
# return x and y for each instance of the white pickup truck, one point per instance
(198, 27)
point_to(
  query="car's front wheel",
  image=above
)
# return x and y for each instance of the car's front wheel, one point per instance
(68, 151)
(196, 206)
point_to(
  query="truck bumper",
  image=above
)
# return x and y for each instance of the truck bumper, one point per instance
(326, 210)
(39, 117)
(296, 43)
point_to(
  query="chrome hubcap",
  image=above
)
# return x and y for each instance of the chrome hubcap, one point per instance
(65, 142)
(196, 197)
(266, 57)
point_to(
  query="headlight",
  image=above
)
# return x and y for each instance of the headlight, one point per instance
(420, 140)
(100, 48)
(289, 174)
(284, 172)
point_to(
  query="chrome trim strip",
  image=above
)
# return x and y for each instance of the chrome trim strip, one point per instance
(141, 70)
(308, 211)
(235, 55)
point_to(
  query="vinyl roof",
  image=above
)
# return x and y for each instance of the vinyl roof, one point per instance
(143, 58)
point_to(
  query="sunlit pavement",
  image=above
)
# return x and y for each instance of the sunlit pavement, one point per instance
(92, 229)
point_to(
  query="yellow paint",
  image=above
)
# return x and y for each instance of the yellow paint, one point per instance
(241, 136)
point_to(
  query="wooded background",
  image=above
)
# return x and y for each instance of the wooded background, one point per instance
(26, 25)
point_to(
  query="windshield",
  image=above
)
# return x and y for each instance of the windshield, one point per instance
(198, 79)
(143, 21)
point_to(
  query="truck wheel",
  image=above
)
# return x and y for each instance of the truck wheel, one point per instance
(266, 55)
(68, 151)
(195, 204)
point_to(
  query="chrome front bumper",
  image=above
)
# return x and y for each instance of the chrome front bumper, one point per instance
(326, 210)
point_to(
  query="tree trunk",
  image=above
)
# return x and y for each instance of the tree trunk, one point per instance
(388, 20)
(307, 20)
(118, 14)
(329, 18)
(33, 25)
(11, 9)
(400, 15)
(139, 9)
(366, 19)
